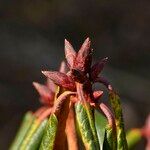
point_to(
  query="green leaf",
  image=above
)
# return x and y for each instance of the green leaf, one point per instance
(34, 136)
(133, 137)
(48, 139)
(24, 127)
(85, 127)
(100, 124)
(116, 106)
(111, 137)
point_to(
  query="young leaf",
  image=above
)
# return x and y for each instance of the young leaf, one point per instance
(33, 136)
(46, 94)
(100, 124)
(103, 81)
(98, 67)
(83, 58)
(69, 53)
(24, 127)
(85, 128)
(63, 67)
(116, 106)
(48, 139)
(51, 85)
(60, 79)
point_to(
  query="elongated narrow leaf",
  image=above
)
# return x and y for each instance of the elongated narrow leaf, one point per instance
(90, 115)
(121, 136)
(25, 125)
(35, 141)
(111, 138)
(82, 96)
(100, 124)
(133, 137)
(83, 59)
(85, 128)
(34, 136)
(49, 134)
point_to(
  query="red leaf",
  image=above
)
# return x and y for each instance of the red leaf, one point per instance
(60, 79)
(51, 85)
(104, 81)
(97, 68)
(69, 53)
(83, 59)
(63, 67)
(46, 94)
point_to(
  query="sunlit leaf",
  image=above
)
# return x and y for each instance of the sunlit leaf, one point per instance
(100, 124)
(49, 134)
(85, 128)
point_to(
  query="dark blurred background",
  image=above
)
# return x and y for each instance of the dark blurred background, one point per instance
(32, 36)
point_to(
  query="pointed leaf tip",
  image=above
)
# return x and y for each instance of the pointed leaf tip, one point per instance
(60, 79)
(70, 53)
(98, 67)
(63, 67)
(46, 94)
(83, 59)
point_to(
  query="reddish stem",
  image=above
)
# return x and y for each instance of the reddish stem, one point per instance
(108, 114)
(45, 114)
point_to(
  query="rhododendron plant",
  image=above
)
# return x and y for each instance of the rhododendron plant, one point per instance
(72, 115)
